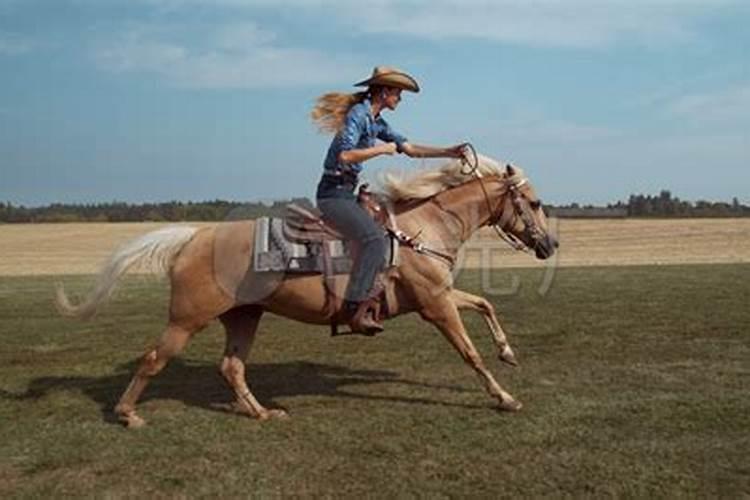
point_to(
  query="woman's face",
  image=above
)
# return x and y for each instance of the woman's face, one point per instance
(391, 97)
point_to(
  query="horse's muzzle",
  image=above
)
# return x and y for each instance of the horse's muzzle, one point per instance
(545, 247)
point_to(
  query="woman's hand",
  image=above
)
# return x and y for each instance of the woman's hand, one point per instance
(389, 148)
(457, 151)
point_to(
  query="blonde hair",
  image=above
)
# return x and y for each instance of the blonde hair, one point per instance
(330, 109)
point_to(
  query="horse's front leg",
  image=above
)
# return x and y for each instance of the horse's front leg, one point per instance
(443, 313)
(465, 300)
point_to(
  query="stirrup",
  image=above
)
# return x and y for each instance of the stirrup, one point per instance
(364, 320)
(361, 322)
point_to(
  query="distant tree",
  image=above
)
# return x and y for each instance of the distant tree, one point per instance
(638, 205)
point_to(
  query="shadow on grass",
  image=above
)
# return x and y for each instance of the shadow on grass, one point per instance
(201, 385)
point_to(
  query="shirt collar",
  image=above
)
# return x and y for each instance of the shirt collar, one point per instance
(368, 103)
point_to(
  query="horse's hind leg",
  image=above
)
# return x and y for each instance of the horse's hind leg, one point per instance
(241, 324)
(173, 341)
(465, 300)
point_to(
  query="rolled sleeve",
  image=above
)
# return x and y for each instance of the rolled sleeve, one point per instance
(387, 134)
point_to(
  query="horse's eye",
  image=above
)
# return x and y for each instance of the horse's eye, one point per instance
(535, 205)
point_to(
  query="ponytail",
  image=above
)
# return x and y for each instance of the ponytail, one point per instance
(330, 109)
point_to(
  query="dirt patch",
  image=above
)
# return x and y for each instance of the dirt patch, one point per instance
(36, 249)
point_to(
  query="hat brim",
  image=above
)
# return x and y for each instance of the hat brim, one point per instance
(397, 80)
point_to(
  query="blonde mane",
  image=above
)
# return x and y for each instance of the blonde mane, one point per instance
(423, 184)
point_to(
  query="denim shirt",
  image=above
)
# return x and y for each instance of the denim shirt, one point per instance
(359, 131)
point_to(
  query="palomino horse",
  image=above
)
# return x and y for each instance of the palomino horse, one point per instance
(211, 275)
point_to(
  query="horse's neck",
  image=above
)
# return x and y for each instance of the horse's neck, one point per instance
(452, 216)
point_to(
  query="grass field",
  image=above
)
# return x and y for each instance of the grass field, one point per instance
(635, 383)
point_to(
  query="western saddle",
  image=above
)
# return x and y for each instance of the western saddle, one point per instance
(308, 225)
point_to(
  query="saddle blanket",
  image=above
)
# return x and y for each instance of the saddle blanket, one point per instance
(273, 251)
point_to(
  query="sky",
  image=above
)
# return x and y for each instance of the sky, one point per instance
(159, 100)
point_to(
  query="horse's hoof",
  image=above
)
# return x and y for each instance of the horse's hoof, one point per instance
(510, 405)
(131, 420)
(274, 414)
(508, 356)
(279, 414)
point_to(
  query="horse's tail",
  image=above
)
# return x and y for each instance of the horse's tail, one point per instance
(154, 251)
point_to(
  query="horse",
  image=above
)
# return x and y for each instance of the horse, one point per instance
(211, 275)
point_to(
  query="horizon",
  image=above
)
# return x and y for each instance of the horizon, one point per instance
(271, 202)
(143, 100)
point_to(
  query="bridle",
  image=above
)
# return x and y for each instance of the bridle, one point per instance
(499, 220)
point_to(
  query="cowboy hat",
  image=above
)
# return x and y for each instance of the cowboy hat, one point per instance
(390, 77)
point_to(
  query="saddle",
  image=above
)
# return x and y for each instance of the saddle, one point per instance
(308, 225)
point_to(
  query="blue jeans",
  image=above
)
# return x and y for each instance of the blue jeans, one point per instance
(351, 220)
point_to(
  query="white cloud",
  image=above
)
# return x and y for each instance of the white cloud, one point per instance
(241, 55)
(543, 23)
(730, 104)
(571, 23)
(556, 23)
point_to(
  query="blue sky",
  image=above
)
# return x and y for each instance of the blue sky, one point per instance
(156, 100)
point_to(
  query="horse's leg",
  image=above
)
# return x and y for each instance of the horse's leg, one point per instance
(443, 313)
(173, 341)
(465, 300)
(241, 324)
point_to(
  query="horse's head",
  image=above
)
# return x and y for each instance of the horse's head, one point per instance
(520, 218)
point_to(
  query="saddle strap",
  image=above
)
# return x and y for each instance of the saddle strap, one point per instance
(329, 283)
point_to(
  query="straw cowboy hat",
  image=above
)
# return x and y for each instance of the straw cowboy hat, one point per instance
(390, 77)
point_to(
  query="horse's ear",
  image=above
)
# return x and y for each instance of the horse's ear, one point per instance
(510, 170)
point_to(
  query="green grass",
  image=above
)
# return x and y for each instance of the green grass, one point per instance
(635, 383)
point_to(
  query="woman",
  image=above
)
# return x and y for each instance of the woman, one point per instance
(357, 122)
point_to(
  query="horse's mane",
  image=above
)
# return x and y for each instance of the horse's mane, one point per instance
(423, 184)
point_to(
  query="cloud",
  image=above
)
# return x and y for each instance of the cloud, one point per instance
(13, 45)
(240, 55)
(544, 23)
(728, 105)
(589, 24)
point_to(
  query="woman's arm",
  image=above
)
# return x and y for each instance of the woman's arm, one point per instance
(418, 151)
(364, 154)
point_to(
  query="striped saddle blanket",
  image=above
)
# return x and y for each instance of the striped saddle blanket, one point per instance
(274, 250)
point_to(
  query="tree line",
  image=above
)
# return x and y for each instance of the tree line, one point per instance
(173, 211)
(663, 205)
(638, 205)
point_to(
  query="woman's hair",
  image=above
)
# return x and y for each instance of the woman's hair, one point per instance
(330, 109)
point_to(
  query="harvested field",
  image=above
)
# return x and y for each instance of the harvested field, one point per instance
(615, 242)
(42, 249)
